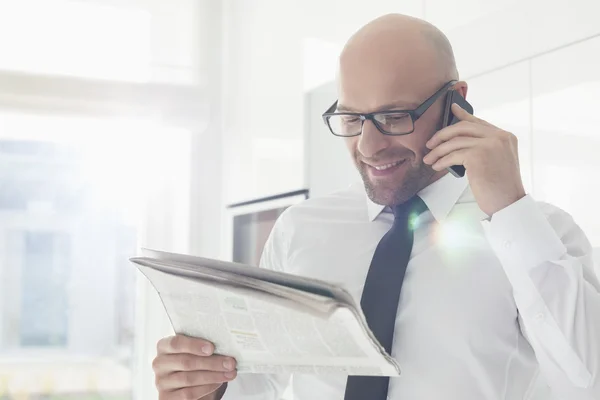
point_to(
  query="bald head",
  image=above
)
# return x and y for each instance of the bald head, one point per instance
(402, 39)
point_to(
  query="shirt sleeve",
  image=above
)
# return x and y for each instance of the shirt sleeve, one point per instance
(265, 386)
(548, 260)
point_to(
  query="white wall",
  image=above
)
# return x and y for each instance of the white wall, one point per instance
(335, 20)
(262, 89)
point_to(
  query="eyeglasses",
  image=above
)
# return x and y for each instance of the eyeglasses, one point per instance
(392, 122)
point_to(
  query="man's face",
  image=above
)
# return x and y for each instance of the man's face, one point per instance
(391, 167)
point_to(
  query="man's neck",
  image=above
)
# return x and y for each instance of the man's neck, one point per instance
(436, 177)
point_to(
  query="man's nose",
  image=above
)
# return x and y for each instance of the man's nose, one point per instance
(371, 141)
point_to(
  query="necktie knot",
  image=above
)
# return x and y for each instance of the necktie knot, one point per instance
(414, 206)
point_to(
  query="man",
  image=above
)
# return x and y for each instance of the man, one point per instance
(499, 289)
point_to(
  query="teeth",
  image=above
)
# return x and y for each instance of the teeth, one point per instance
(386, 166)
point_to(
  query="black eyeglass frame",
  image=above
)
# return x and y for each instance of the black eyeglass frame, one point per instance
(414, 114)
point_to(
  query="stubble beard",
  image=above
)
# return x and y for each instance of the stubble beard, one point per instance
(396, 192)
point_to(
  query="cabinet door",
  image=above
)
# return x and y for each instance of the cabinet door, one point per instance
(566, 132)
(556, 23)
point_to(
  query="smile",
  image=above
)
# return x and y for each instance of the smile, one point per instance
(387, 166)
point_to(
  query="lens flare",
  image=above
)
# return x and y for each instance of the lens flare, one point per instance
(457, 236)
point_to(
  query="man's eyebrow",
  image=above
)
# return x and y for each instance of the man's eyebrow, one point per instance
(399, 105)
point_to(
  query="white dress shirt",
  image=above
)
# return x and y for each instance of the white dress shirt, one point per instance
(487, 304)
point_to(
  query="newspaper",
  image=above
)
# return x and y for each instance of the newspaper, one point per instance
(270, 322)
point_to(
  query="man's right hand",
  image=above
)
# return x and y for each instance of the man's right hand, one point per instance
(186, 369)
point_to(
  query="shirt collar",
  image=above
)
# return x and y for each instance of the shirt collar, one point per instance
(440, 197)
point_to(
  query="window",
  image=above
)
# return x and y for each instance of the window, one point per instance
(72, 195)
(79, 38)
(44, 280)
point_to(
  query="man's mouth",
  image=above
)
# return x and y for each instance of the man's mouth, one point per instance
(384, 169)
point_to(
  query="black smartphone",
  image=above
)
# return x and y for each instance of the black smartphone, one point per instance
(449, 119)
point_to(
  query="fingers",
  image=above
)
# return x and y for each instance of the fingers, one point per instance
(186, 368)
(167, 363)
(190, 393)
(445, 148)
(185, 344)
(179, 380)
(457, 157)
(463, 128)
(463, 115)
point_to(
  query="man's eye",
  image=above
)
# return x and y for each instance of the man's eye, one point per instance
(350, 120)
(396, 117)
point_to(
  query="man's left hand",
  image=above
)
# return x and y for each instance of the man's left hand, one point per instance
(488, 153)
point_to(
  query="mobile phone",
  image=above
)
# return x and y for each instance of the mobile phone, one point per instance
(449, 119)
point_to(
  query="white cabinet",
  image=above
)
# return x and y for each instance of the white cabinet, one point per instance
(556, 23)
(566, 132)
(503, 98)
(491, 34)
(493, 40)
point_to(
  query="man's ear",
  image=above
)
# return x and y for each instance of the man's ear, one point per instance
(462, 88)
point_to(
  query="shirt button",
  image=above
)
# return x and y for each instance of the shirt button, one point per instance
(539, 317)
(507, 244)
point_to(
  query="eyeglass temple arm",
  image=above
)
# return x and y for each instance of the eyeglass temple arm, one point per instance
(332, 108)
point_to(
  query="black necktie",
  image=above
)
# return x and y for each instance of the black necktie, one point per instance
(381, 293)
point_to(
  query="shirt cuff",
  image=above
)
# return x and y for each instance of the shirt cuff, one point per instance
(522, 237)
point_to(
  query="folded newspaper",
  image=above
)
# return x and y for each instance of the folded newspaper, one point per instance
(271, 322)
